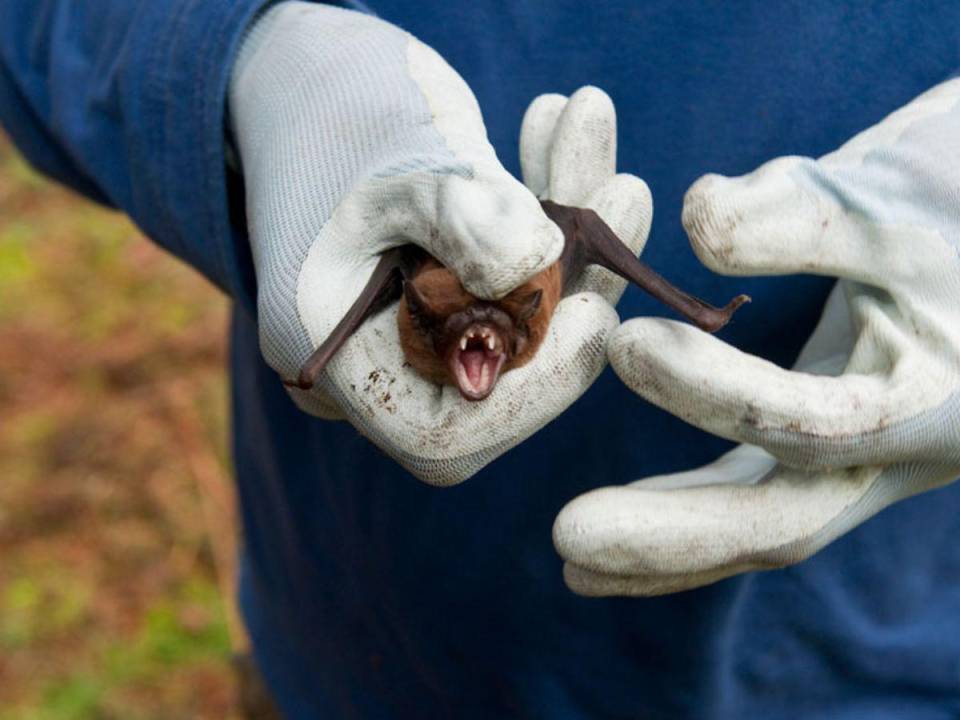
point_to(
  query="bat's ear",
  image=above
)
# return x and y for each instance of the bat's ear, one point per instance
(527, 306)
(419, 307)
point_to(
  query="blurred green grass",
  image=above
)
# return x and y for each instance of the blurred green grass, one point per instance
(116, 510)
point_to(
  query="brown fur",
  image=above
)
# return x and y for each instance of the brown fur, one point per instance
(550, 282)
(445, 296)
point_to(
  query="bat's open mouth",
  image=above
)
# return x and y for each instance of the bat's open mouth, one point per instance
(477, 361)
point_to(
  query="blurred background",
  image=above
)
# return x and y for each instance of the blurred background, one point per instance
(117, 525)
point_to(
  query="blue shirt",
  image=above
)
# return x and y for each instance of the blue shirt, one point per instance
(369, 594)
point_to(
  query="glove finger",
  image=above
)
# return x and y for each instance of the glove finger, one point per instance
(536, 139)
(430, 429)
(783, 519)
(589, 583)
(804, 420)
(668, 540)
(783, 218)
(487, 227)
(584, 152)
(492, 233)
(624, 203)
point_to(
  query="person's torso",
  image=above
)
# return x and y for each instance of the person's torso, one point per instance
(372, 595)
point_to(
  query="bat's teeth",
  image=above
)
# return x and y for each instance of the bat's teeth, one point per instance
(463, 343)
(490, 342)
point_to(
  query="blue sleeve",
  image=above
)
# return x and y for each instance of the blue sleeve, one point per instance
(123, 100)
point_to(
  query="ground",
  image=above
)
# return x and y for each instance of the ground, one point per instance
(116, 509)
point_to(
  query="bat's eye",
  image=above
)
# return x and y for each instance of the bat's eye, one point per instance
(424, 316)
(528, 306)
(519, 342)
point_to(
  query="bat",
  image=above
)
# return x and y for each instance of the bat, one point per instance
(453, 338)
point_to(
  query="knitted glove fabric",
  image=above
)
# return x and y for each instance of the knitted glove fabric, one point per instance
(869, 416)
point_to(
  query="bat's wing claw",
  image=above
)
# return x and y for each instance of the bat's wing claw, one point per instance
(711, 319)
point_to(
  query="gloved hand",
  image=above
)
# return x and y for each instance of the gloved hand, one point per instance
(871, 413)
(354, 137)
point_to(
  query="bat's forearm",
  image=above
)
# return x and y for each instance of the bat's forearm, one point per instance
(590, 241)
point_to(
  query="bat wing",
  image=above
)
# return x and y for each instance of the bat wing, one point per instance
(588, 240)
(383, 287)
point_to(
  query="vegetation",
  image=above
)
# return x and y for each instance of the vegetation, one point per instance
(116, 513)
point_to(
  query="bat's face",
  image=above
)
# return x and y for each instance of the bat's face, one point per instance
(453, 338)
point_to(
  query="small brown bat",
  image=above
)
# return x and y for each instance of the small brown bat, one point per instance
(453, 338)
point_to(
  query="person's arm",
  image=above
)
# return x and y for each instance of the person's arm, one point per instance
(124, 102)
(352, 137)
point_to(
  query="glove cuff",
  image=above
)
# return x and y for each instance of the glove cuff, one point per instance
(335, 80)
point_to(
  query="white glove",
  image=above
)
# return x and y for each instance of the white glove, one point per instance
(354, 137)
(871, 414)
